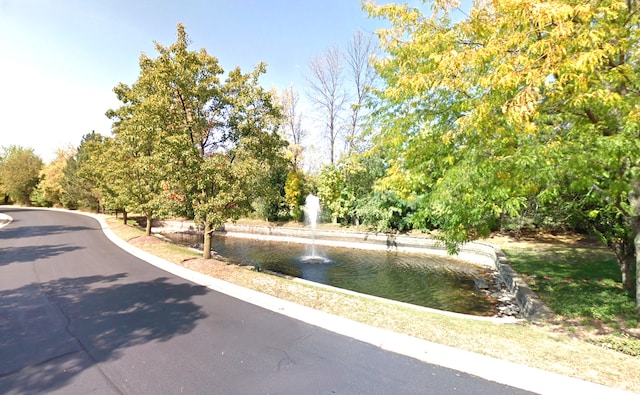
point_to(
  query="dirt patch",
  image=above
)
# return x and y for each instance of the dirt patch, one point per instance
(141, 241)
(533, 239)
(591, 329)
(217, 269)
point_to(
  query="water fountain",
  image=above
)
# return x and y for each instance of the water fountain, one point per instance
(312, 212)
(416, 278)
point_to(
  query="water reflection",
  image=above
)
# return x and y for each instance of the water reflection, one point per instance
(420, 279)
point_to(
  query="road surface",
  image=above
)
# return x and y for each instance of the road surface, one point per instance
(79, 315)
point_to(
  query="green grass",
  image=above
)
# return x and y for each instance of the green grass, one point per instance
(582, 285)
(576, 282)
(621, 343)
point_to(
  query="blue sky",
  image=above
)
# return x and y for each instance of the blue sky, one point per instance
(62, 58)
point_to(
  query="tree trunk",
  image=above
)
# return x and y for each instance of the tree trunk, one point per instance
(124, 216)
(625, 252)
(634, 200)
(206, 249)
(636, 242)
(626, 268)
(627, 278)
(147, 231)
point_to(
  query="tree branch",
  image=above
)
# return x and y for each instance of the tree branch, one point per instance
(617, 203)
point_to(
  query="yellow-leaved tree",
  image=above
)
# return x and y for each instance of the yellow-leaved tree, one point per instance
(511, 103)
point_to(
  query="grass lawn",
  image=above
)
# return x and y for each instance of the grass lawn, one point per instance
(581, 283)
(576, 282)
(584, 340)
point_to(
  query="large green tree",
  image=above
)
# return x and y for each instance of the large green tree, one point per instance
(517, 101)
(240, 154)
(133, 164)
(19, 172)
(80, 180)
(195, 140)
(110, 166)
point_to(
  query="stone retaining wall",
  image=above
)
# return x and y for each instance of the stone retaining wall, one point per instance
(530, 304)
(479, 253)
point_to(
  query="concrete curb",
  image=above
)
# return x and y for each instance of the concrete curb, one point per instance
(4, 220)
(493, 369)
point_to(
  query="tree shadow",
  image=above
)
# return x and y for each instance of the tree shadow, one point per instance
(53, 331)
(14, 232)
(9, 255)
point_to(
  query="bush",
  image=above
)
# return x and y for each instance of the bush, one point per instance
(623, 343)
(386, 212)
(39, 198)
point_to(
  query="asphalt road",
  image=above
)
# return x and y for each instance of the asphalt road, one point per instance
(78, 315)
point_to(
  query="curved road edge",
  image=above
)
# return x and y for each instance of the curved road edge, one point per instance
(4, 220)
(493, 369)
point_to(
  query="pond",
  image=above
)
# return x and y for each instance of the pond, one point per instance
(421, 279)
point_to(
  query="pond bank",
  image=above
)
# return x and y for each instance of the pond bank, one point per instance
(514, 297)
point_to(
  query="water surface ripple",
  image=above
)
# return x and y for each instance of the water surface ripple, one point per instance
(421, 279)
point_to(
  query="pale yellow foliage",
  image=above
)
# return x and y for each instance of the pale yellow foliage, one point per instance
(53, 173)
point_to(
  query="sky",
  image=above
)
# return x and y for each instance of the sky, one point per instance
(60, 59)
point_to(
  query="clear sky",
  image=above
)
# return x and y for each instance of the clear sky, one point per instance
(60, 59)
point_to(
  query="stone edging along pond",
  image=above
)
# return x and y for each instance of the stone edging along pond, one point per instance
(531, 307)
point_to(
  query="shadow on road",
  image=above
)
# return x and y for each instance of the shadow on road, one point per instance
(11, 255)
(53, 332)
(14, 232)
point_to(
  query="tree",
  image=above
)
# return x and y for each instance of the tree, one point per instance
(344, 188)
(52, 176)
(295, 192)
(194, 140)
(242, 154)
(80, 182)
(292, 125)
(326, 92)
(135, 166)
(291, 129)
(19, 172)
(330, 186)
(519, 101)
(110, 165)
(158, 127)
(361, 74)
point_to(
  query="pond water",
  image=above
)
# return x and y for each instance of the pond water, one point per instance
(425, 280)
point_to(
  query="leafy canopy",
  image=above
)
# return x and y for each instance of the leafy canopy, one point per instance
(515, 102)
(19, 172)
(193, 143)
